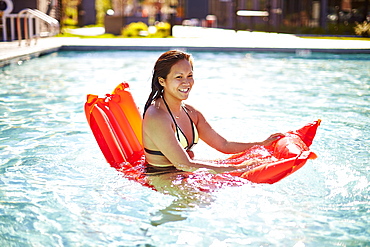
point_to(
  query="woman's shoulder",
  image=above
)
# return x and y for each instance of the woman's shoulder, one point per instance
(156, 113)
(190, 108)
(194, 112)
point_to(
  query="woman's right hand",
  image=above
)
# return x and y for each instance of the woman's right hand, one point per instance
(272, 138)
(245, 165)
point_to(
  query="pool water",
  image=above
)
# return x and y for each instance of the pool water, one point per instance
(56, 188)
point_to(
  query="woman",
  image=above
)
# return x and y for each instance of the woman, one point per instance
(171, 128)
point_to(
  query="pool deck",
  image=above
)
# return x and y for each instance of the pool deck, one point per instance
(191, 39)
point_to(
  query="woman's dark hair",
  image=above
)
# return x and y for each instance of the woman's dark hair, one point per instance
(161, 69)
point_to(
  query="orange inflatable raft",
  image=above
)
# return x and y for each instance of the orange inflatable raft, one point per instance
(116, 124)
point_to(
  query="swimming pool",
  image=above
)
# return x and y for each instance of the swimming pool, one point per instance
(57, 190)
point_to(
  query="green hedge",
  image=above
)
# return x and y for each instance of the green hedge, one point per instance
(141, 30)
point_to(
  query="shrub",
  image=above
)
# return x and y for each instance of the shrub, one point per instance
(135, 29)
(163, 30)
(362, 29)
(140, 29)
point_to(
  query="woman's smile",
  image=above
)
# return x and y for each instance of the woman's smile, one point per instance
(184, 90)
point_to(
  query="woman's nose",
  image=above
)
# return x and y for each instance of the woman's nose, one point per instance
(187, 81)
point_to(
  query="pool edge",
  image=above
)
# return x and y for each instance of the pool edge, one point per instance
(11, 52)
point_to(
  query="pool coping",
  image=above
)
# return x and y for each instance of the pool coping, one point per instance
(215, 49)
(11, 52)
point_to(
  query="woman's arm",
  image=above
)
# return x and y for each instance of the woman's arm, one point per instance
(159, 129)
(215, 140)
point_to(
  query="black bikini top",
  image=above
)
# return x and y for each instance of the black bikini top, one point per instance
(179, 133)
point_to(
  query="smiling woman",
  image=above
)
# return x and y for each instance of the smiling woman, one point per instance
(171, 128)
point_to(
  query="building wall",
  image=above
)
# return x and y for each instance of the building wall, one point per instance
(86, 13)
(20, 5)
(289, 13)
(197, 9)
(222, 9)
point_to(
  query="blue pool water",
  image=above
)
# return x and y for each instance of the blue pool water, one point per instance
(57, 190)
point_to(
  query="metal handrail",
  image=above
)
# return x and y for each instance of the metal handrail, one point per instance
(28, 15)
(54, 24)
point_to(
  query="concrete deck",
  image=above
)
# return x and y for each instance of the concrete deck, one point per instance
(191, 39)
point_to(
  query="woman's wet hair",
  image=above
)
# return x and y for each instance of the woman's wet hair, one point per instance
(161, 69)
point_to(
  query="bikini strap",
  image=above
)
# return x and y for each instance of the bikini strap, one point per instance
(168, 108)
(192, 127)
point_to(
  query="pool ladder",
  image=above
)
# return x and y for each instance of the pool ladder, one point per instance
(28, 25)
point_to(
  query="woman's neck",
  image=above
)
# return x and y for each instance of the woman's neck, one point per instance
(174, 105)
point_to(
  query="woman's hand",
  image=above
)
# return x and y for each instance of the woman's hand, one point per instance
(247, 164)
(272, 138)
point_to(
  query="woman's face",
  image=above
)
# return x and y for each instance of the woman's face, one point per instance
(179, 81)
